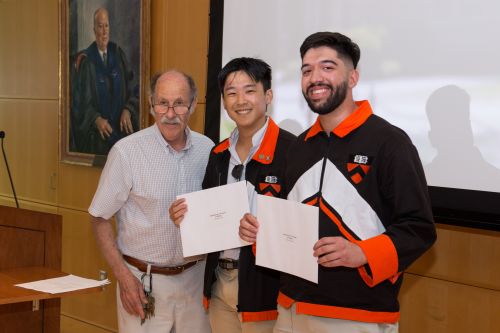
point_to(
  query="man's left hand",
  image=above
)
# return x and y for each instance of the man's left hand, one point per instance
(126, 122)
(338, 251)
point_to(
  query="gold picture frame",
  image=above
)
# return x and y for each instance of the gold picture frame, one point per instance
(96, 87)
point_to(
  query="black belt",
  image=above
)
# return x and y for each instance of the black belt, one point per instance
(228, 263)
(143, 267)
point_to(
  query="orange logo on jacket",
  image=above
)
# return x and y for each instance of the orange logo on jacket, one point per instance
(270, 186)
(358, 166)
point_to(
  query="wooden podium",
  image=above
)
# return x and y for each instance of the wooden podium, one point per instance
(30, 249)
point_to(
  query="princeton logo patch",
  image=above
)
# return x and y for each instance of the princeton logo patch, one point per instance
(269, 185)
(358, 166)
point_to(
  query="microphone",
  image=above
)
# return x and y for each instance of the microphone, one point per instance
(2, 136)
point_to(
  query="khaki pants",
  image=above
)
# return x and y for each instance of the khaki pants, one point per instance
(178, 304)
(222, 312)
(289, 321)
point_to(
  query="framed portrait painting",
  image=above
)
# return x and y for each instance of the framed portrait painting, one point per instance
(104, 74)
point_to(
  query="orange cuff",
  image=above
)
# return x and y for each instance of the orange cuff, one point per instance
(382, 258)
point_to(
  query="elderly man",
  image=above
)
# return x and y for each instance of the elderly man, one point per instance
(103, 109)
(142, 176)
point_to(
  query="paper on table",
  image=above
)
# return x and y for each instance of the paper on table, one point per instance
(213, 219)
(287, 233)
(63, 284)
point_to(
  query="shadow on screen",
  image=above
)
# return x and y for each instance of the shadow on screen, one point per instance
(459, 163)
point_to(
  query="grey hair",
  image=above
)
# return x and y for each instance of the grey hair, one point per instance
(193, 91)
(100, 9)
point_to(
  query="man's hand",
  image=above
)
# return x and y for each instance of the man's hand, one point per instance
(126, 122)
(338, 251)
(103, 127)
(132, 294)
(248, 228)
(177, 211)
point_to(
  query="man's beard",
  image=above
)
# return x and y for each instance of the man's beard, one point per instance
(333, 101)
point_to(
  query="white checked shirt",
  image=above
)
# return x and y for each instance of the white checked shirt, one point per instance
(142, 177)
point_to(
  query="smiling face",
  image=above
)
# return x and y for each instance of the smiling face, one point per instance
(327, 79)
(101, 29)
(246, 101)
(172, 88)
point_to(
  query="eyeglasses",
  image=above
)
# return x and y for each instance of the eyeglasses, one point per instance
(179, 109)
(237, 171)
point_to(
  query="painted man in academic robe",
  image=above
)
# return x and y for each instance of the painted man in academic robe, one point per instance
(105, 108)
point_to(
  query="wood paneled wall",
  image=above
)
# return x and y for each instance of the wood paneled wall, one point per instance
(455, 287)
(29, 114)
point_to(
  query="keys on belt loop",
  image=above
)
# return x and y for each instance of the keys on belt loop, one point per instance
(149, 307)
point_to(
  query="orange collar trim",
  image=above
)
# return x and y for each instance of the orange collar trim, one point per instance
(314, 130)
(265, 154)
(224, 145)
(349, 124)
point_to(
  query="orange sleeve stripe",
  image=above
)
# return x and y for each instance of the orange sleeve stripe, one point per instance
(254, 249)
(335, 220)
(206, 302)
(347, 313)
(382, 258)
(259, 316)
(312, 202)
(284, 300)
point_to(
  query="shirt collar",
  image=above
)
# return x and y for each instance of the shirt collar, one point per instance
(349, 124)
(101, 53)
(256, 141)
(189, 141)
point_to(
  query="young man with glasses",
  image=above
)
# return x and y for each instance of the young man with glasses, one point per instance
(142, 176)
(240, 296)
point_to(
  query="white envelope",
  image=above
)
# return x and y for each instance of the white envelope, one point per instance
(213, 219)
(287, 233)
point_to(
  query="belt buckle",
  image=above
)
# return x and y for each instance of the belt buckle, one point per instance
(228, 264)
(186, 266)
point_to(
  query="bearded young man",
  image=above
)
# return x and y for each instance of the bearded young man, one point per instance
(375, 217)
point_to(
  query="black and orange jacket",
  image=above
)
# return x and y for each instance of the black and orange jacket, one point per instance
(369, 184)
(258, 286)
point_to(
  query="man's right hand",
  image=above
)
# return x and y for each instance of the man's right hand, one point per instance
(132, 294)
(103, 127)
(177, 211)
(248, 228)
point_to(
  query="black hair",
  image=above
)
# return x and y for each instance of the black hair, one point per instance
(257, 69)
(344, 46)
